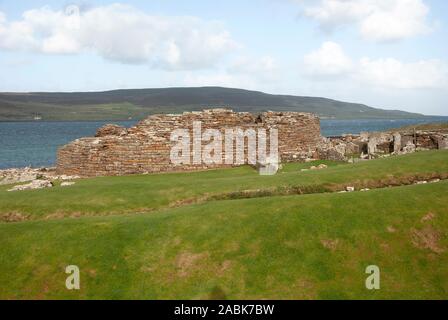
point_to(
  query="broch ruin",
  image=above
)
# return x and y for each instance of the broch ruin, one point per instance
(145, 148)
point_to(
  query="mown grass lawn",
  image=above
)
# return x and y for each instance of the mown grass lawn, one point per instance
(144, 193)
(295, 247)
(313, 246)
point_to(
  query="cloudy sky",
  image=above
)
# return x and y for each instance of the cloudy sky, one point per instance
(391, 54)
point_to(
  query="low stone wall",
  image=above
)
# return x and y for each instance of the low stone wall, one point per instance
(374, 144)
(145, 148)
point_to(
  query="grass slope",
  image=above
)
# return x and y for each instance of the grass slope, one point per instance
(138, 103)
(114, 195)
(314, 246)
(296, 247)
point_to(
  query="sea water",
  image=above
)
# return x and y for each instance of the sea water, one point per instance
(35, 143)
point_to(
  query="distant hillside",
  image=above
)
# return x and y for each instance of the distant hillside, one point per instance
(138, 103)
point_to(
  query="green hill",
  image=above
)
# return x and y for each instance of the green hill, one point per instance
(166, 240)
(138, 103)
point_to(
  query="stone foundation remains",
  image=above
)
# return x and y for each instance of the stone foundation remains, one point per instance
(379, 144)
(145, 148)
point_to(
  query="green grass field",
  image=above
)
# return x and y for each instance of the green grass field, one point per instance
(184, 245)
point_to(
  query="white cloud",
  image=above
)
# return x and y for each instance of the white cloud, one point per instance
(120, 33)
(16, 35)
(333, 13)
(392, 73)
(328, 60)
(378, 20)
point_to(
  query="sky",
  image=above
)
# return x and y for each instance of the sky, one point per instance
(390, 54)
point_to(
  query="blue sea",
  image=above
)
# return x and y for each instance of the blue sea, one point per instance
(35, 143)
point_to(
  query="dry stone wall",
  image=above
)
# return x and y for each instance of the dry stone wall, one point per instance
(145, 148)
(371, 145)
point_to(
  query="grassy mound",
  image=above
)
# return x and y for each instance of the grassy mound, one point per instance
(314, 246)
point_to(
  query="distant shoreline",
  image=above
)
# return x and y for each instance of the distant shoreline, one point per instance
(138, 103)
(321, 118)
(47, 121)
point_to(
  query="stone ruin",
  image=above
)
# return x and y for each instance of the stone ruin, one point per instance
(145, 148)
(381, 144)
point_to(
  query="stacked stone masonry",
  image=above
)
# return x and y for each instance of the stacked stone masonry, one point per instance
(375, 144)
(145, 148)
